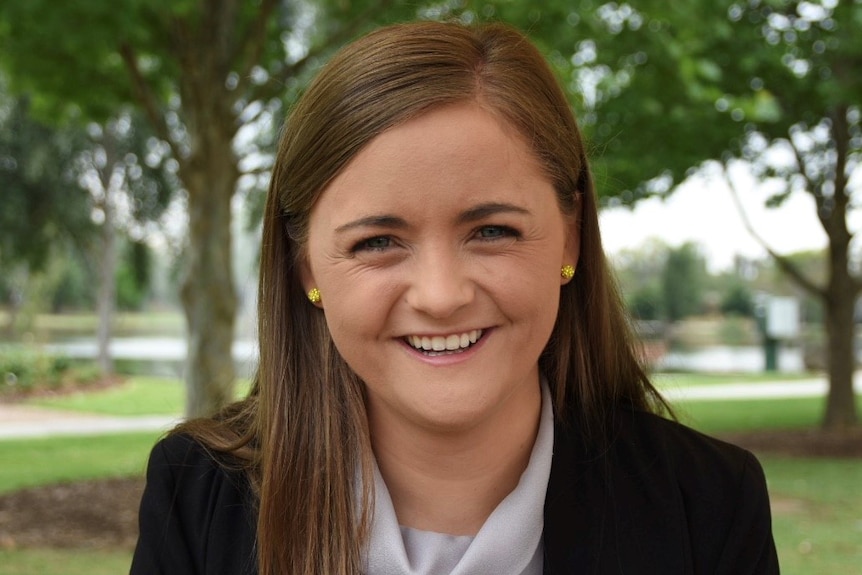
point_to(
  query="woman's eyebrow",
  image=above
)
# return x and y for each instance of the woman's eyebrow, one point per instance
(483, 211)
(475, 213)
(377, 221)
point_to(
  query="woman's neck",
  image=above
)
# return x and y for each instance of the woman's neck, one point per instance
(450, 482)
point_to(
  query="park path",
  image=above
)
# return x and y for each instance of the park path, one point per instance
(19, 421)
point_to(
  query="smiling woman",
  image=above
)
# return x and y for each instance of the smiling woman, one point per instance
(441, 228)
(447, 381)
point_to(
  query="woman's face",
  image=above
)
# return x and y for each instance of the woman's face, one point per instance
(437, 252)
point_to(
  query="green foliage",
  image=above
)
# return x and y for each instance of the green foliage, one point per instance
(71, 47)
(738, 300)
(23, 371)
(645, 302)
(683, 279)
(639, 274)
(26, 371)
(133, 276)
(42, 203)
(69, 284)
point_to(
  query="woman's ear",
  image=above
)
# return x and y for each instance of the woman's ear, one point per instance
(309, 285)
(571, 251)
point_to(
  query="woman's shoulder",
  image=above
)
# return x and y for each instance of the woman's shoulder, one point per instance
(181, 449)
(650, 453)
(667, 496)
(194, 509)
(185, 466)
(690, 455)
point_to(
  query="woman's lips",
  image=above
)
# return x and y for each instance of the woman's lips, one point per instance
(444, 344)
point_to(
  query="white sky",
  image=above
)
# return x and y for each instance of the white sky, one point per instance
(706, 214)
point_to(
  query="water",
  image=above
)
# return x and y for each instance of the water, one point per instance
(746, 359)
(166, 355)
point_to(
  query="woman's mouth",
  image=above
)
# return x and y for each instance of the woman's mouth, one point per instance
(444, 344)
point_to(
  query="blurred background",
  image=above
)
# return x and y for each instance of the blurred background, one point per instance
(136, 139)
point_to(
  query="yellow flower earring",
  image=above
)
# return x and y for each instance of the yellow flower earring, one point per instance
(314, 295)
(568, 272)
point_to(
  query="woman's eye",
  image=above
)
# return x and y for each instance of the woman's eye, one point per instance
(372, 244)
(494, 232)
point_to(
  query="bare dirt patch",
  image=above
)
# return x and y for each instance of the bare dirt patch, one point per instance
(801, 442)
(99, 514)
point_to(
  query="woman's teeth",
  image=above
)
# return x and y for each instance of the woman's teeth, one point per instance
(445, 343)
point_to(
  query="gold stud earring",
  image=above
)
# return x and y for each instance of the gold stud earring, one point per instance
(314, 295)
(568, 272)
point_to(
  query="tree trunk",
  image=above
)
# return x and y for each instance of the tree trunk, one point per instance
(840, 334)
(106, 301)
(204, 51)
(208, 294)
(843, 288)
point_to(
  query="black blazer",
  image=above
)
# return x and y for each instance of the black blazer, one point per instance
(659, 498)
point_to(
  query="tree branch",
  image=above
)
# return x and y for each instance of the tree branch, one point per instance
(272, 88)
(786, 265)
(145, 96)
(249, 49)
(811, 187)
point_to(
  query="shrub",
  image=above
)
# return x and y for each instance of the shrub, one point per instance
(27, 371)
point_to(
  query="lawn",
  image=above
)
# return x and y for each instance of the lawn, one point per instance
(675, 379)
(63, 561)
(817, 503)
(138, 395)
(817, 514)
(32, 462)
(145, 395)
(737, 416)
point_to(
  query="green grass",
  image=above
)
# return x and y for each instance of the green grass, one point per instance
(146, 395)
(680, 379)
(139, 395)
(33, 462)
(63, 562)
(817, 514)
(747, 415)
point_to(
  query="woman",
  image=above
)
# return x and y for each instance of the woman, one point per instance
(447, 382)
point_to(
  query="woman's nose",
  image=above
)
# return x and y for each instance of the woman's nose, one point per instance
(440, 285)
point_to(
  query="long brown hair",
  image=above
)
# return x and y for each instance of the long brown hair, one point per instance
(302, 434)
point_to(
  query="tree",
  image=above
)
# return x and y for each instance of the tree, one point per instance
(797, 96)
(43, 208)
(784, 71)
(130, 183)
(199, 71)
(639, 272)
(69, 192)
(738, 300)
(682, 282)
(663, 87)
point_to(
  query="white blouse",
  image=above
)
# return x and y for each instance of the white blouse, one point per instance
(509, 542)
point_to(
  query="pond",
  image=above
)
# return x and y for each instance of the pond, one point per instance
(166, 355)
